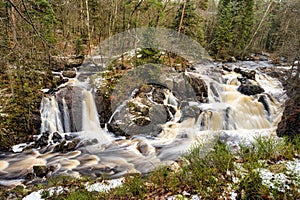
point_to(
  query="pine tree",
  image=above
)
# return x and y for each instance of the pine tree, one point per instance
(243, 22)
(224, 35)
(42, 14)
(235, 21)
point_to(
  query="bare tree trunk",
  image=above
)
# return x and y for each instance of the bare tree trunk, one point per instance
(259, 25)
(88, 26)
(132, 13)
(181, 19)
(14, 25)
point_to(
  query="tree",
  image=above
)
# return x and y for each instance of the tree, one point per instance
(188, 22)
(223, 35)
(234, 26)
(243, 23)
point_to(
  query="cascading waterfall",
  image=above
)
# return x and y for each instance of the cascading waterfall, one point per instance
(51, 115)
(66, 117)
(230, 110)
(90, 120)
(73, 109)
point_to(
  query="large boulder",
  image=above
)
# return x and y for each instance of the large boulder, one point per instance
(248, 88)
(186, 86)
(149, 108)
(60, 63)
(199, 86)
(247, 74)
(69, 73)
(72, 95)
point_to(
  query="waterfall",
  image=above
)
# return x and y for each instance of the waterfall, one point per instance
(90, 119)
(228, 114)
(66, 115)
(56, 115)
(50, 115)
(228, 109)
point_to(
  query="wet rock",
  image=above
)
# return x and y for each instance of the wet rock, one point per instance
(145, 112)
(190, 112)
(40, 170)
(248, 88)
(290, 124)
(42, 141)
(226, 68)
(199, 87)
(69, 74)
(56, 137)
(263, 99)
(116, 128)
(246, 74)
(65, 146)
(30, 176)
(144, 148)
(59, 63)
(72, 145)
(60, 147)
(57, 80)
(92, 142)
(158, 95)
(243, 81)
(103, 103)
(73, 98)
(69, 137)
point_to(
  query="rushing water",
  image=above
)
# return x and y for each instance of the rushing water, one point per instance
(229, 114)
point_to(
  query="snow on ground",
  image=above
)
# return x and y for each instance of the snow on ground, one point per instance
(19, 147)
(38, 194)
(34, 195)
(105, 186)
(282, 181)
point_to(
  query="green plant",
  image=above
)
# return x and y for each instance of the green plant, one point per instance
(132, 188)
(267, 148)
(80, 194)
(250, 187)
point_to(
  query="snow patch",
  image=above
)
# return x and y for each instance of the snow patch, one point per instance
(279, 182)
(19, 147)
(105, 186)
(38, 194)
(34, 196)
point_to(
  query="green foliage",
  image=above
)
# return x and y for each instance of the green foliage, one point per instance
(80, 194)
(244, 18)
(134, 188)
(192, 23)
(234, 26)
(149, 55)
(296, 142)
(250, 187)
(224, 35)
(22, 102)
(79, 46)
(42, 13)
(270, 148)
